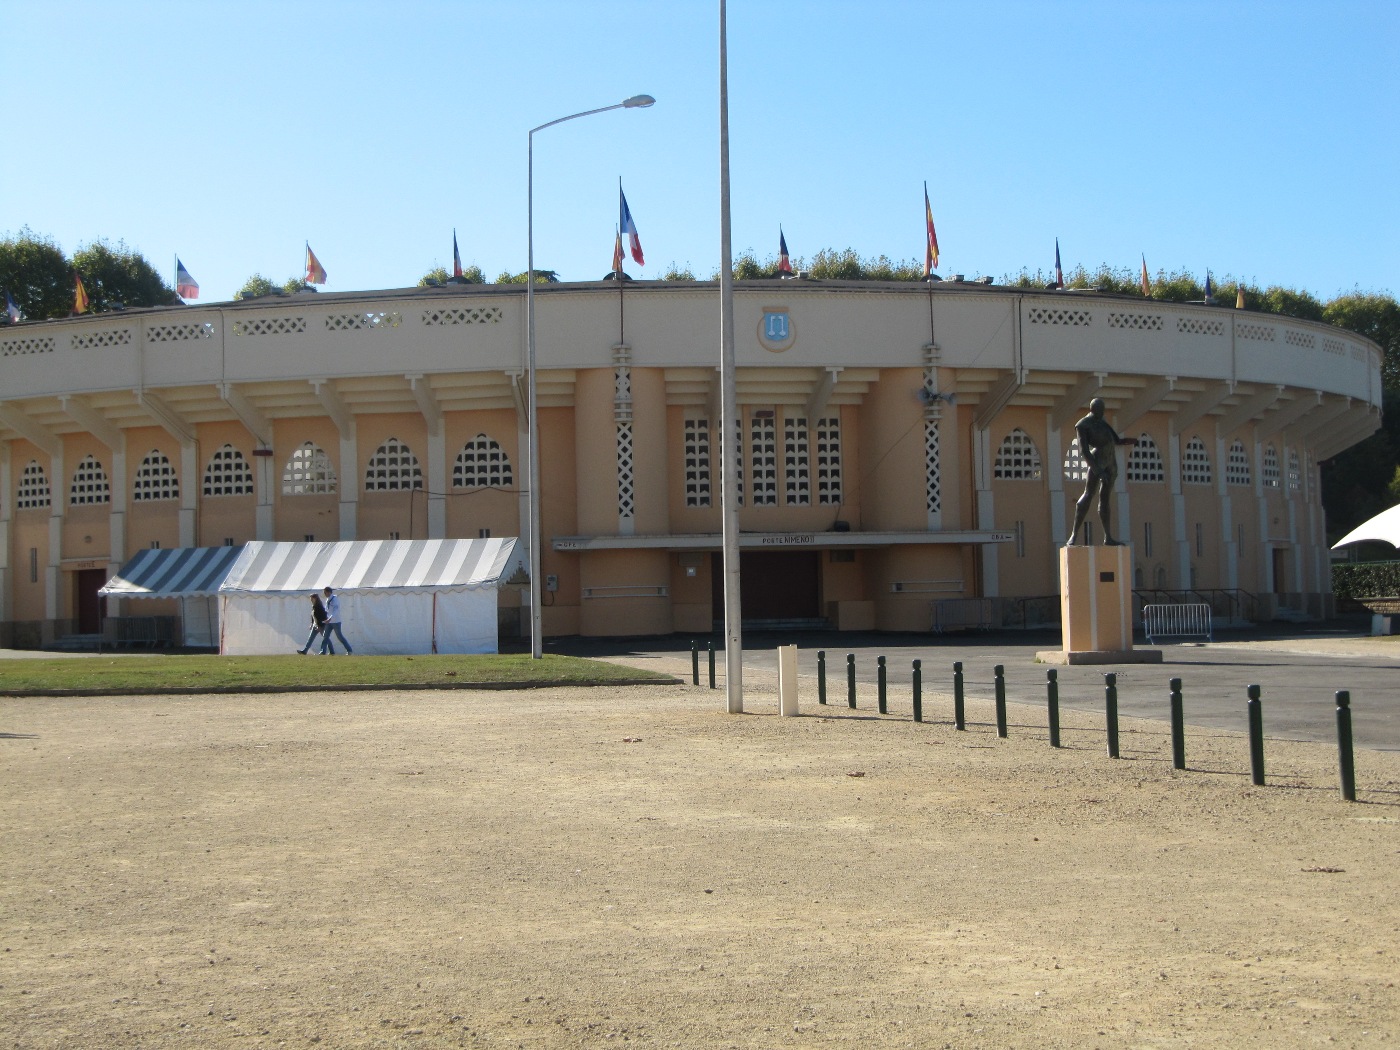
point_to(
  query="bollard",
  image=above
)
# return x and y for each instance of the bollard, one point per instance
(1110, 708)
(918, 677)
(959, 719)
(1178, 726)
(851, 680)
(999, 681)
(1346, 763)
(787, 681)
(880, 685)
(712, 665)
(821, 677)
(1256, 735)
(1052, 704)
(694, 662)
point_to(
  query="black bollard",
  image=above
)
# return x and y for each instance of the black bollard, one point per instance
(712, 665)
(880, 685)
(694, 662)
(1178, 726)
(999, 681)
(918, 679)
(1256, 735)
(1346, 762)
(1052, 704)
(821, 677)
(959, 719)
(851, 680)
(1110, 708)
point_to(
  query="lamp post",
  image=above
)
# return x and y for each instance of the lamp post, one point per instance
(536, 532)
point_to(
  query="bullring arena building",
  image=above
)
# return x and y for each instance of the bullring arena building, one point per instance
(908, 450)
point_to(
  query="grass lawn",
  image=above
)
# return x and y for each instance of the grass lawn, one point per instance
(212, 674)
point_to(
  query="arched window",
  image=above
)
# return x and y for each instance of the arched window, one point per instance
(309, 472)
(1237, 467)
(89, 484)
(392, 468)
(1195, 463)
(482, 464)
(1295, 472)
(156, 479)
(228, 474)
(33, 487)
(1075, 467)
(1145, 461)
(1269, 471)
(1018, 459)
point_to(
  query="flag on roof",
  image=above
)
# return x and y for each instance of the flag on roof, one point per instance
(627, 226)
(617, 255)
(784, 263)
(11, 308)
(931, 250)
(186, 287)
(1059, 273)
(1239, 296)
(1210, 291)
(80, 296)
(456, 257)
(315, 272)
(1146, 284)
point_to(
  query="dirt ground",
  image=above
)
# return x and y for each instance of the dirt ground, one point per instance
(632, 866)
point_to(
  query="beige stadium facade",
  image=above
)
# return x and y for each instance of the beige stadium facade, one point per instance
(903, 445)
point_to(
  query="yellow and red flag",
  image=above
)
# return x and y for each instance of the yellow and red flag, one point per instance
(1146, 284)
(80, 296)
(315, 272)
(931, 252)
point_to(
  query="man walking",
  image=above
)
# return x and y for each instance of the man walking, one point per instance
(333, 624)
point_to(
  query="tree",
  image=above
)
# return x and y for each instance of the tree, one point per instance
(117, 276)
(258, 285)
(541, 277)
(35, 272)
(438, 275)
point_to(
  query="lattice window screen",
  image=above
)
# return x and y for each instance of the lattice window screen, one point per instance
(1237, 464)
(481, 464)
(1075, 469)
(697, 463)
(829, 460)
(1295, 472)
(89, 484)
(393, 468)
(309, 472)
(1017, 459)
(626, 475)
(1269, 471)
(155, 479)
(33, 487)
(933, 497)
(1195, 463)
(228, 474)
(763, 454)
(1145, 461)
(797, 463)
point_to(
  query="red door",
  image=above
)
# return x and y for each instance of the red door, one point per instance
(89, 603)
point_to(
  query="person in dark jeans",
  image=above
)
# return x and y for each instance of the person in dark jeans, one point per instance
(318, 625)
(333, 624)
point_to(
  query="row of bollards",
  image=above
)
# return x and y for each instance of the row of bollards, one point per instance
(1254, 710)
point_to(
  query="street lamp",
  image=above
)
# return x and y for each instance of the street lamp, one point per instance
(536, 533)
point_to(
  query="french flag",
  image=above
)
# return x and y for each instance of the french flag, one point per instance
(627, 226)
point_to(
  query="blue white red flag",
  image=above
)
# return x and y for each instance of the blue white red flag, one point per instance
(1059, 273)
(186, 287)
(784, 263)
(11, 308)
(627, 226)
(456, 257)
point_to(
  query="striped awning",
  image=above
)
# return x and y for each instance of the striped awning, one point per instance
(375, 565)
(181, 572)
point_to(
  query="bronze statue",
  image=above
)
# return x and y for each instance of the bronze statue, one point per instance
(1097, 441)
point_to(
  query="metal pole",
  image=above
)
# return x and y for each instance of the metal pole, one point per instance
(1110, 711)
(959, 719)
(1178, 726)
(880, 685)
(729, 397)
(821, 677)
(999, 682)
(1052, 704)
(851, 680)
(918, 691)
(1256, 734)
(1346, 760)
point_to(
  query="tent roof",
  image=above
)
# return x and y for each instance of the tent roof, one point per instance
(370, 565)
(180, 572)
(1384, 527)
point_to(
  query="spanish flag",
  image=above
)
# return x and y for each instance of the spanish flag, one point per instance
(1146, 284)
(931, 251)
(315, 272)
(617, 255)
(80, 296)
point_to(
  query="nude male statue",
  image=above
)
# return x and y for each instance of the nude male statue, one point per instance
(1097, 441)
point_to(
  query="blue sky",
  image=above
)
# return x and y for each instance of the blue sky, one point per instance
(1256, 138)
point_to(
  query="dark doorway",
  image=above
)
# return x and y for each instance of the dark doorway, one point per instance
(89, 603)
(1280, 570)
(777, 585)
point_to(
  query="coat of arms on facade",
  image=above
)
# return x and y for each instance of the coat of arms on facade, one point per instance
(776, 331)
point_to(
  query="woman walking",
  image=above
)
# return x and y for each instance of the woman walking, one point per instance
(318, 625)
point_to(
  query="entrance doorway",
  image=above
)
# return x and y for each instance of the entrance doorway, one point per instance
(1280, 568)
(777, 585)
(87, 601)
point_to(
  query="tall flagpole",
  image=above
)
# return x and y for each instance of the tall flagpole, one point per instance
(729, 415)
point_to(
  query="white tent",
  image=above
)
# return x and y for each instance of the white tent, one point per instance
(1384, 527)
(191, 574)
(396, 596)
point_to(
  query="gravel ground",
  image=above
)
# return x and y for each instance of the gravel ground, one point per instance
(609, 867)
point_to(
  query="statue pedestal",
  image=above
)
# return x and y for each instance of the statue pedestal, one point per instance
(1096, 609)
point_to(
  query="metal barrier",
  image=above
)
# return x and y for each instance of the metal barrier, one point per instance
(1176, 621)
(149, 631)
(957, 614)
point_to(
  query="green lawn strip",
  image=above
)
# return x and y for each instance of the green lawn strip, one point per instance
(212, 674)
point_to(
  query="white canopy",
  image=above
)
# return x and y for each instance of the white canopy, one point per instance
(1384, 527)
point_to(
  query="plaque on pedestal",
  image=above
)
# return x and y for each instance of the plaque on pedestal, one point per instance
(1096, 608)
